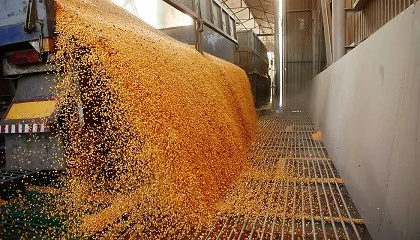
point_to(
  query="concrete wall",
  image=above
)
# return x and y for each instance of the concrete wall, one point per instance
(368, 107)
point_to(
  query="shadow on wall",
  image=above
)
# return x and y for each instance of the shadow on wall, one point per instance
(297, 100)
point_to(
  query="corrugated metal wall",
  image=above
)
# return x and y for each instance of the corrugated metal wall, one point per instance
(304, 46)
(360, 25)
(298, 53)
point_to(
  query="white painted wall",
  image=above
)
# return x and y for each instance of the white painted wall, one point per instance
(367, 105)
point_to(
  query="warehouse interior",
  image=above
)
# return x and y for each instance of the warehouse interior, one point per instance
(336, 88)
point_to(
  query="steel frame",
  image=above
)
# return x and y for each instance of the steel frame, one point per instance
(256, 15)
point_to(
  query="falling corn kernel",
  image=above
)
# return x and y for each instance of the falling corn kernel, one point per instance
(164, 130)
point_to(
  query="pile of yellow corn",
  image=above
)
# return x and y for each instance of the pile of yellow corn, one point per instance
(166, 129)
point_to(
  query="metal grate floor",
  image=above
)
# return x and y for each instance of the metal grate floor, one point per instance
(10, 175)
(292, 191)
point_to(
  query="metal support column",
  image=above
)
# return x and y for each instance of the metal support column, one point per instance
(277, 56)
(316, 33)
(199, 27)
(338, 29)
(326, 19)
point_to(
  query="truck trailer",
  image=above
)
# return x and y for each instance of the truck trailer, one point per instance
(27, 100)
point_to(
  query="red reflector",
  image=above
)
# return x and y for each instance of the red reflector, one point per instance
(22, 57)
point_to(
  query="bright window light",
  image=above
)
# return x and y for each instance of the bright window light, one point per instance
(156, 13)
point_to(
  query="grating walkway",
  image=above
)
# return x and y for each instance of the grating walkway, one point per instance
(292, 191)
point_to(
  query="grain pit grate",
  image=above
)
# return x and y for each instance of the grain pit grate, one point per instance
(293, 190)
(10, 175)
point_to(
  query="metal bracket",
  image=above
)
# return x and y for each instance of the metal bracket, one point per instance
(38, 44)
(31, 15)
